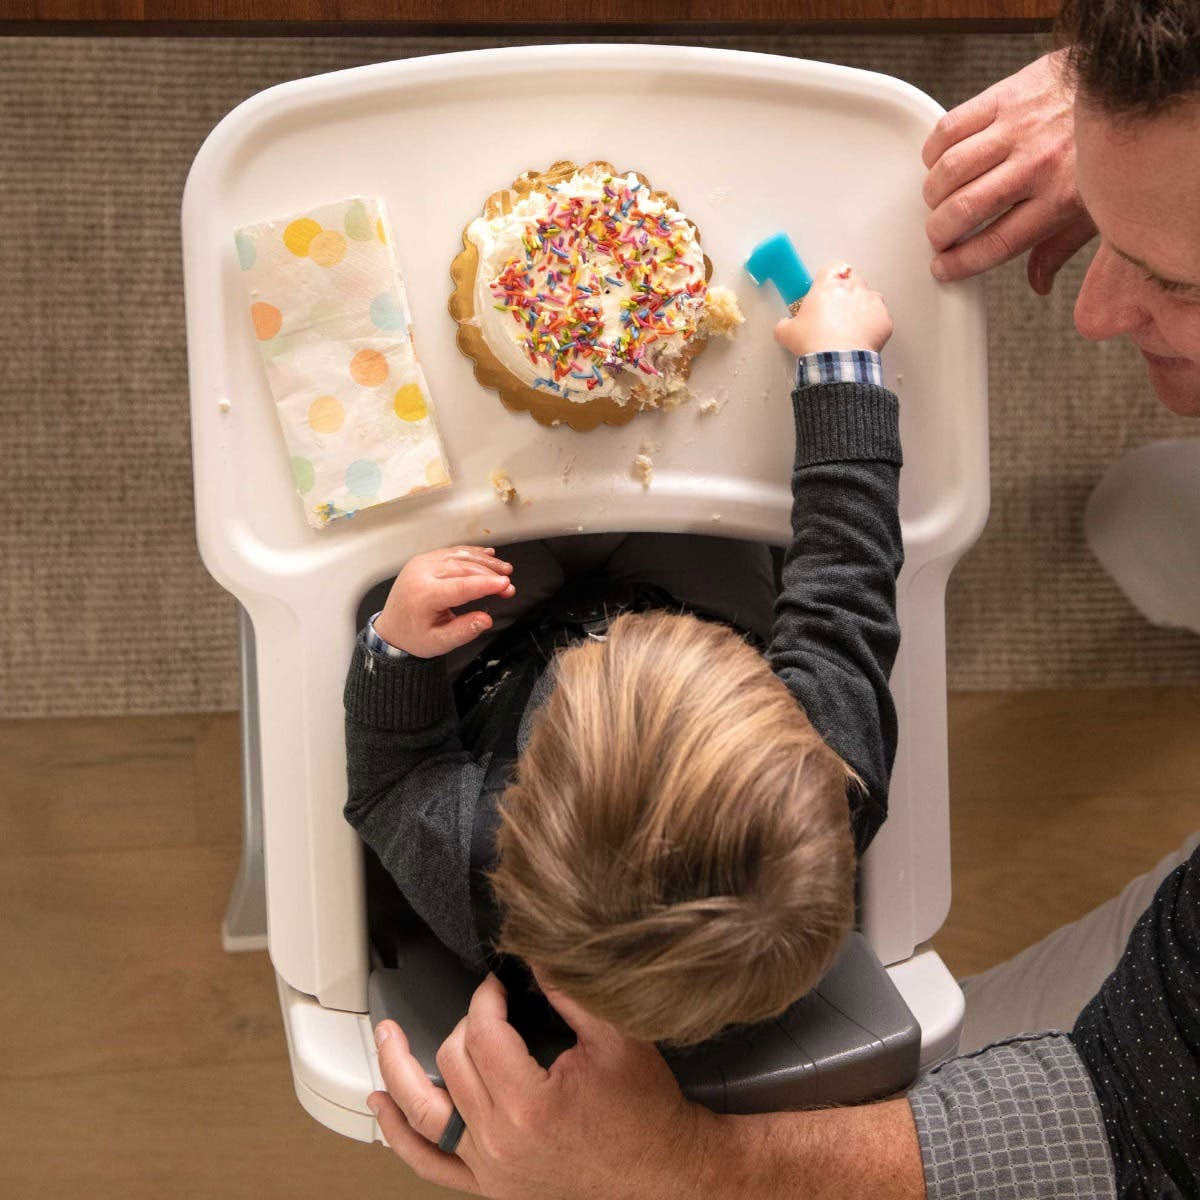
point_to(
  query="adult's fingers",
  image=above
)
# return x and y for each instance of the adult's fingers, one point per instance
(497, 1050)
(1016, 231)
(470, 1093)
(446, 1170)
(963, 162)
(981, 200)
(594, 1034)
(1048, 256)
(603, 1053)
(960, 123)
(426, 1107)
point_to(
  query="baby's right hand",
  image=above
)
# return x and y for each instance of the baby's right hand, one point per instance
(839, 313)
(418, 616)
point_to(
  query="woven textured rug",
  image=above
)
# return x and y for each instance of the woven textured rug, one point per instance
(108, 609)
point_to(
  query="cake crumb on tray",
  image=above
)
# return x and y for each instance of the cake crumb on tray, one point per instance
(506, 493)
(643, 464)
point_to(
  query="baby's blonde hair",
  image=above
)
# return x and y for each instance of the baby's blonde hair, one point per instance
(675, 852)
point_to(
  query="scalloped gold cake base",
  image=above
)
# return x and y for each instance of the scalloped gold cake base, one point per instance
(547, 408)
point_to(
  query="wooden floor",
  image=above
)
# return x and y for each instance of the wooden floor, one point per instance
(139, 1061)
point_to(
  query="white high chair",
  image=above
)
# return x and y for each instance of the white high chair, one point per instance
(748, 144)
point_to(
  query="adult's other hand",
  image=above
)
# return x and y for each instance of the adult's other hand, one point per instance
(607, 1119)
(1005, 161)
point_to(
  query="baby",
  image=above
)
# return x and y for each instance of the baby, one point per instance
(658, 818)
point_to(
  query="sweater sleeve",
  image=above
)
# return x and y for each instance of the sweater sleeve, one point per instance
(412, 788)
(835, 634)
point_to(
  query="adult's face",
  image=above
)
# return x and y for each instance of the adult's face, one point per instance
(1140, 181)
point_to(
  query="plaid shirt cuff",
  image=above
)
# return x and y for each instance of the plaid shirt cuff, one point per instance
(376, 643)
(839, 366)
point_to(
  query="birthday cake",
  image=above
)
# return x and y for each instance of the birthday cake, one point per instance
(583, 296)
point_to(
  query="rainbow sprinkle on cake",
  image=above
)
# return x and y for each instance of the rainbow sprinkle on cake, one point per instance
(591, 287)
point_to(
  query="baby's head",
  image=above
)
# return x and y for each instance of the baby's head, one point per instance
(675, 852)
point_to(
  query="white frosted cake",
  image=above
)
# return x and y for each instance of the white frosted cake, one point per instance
(586, 286)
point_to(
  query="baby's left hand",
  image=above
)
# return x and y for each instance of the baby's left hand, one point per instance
(418, 616)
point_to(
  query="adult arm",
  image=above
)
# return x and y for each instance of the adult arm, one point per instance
(607, 1119)
(1002, 178)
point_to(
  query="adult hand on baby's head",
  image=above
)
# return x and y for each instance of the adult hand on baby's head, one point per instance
(607, 1119)
(418, 615)
(1007, 157)
(839, 313)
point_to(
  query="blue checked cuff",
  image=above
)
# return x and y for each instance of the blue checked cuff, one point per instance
(839, 366)
(376, 643)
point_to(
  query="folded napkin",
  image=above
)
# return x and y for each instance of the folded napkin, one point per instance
(329, 311)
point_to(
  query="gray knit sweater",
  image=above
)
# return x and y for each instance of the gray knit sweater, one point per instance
(416, 771)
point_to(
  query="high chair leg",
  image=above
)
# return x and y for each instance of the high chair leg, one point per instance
(245, 923)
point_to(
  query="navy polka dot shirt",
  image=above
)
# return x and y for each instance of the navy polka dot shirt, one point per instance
(1140, 1041)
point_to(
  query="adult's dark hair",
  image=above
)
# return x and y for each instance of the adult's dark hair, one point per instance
(1132, 58)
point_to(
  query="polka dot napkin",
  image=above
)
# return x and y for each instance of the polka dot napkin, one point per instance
(329, 311)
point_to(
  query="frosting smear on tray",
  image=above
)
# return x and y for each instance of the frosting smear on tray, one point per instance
(591, 288)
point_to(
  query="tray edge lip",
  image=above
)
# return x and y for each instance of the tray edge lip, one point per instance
(287, 98)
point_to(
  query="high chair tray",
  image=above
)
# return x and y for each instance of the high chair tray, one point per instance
(748, 144)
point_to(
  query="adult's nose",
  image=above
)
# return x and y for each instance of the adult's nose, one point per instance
(1108, 303)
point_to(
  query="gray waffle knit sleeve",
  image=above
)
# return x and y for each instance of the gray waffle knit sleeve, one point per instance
(1016, 1121)
(835, 634)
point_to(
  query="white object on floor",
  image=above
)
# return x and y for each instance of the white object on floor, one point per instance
(1142, 522)
(433, 137)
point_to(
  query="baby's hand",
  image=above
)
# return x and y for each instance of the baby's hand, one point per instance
(417, 616)
(839, 313)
